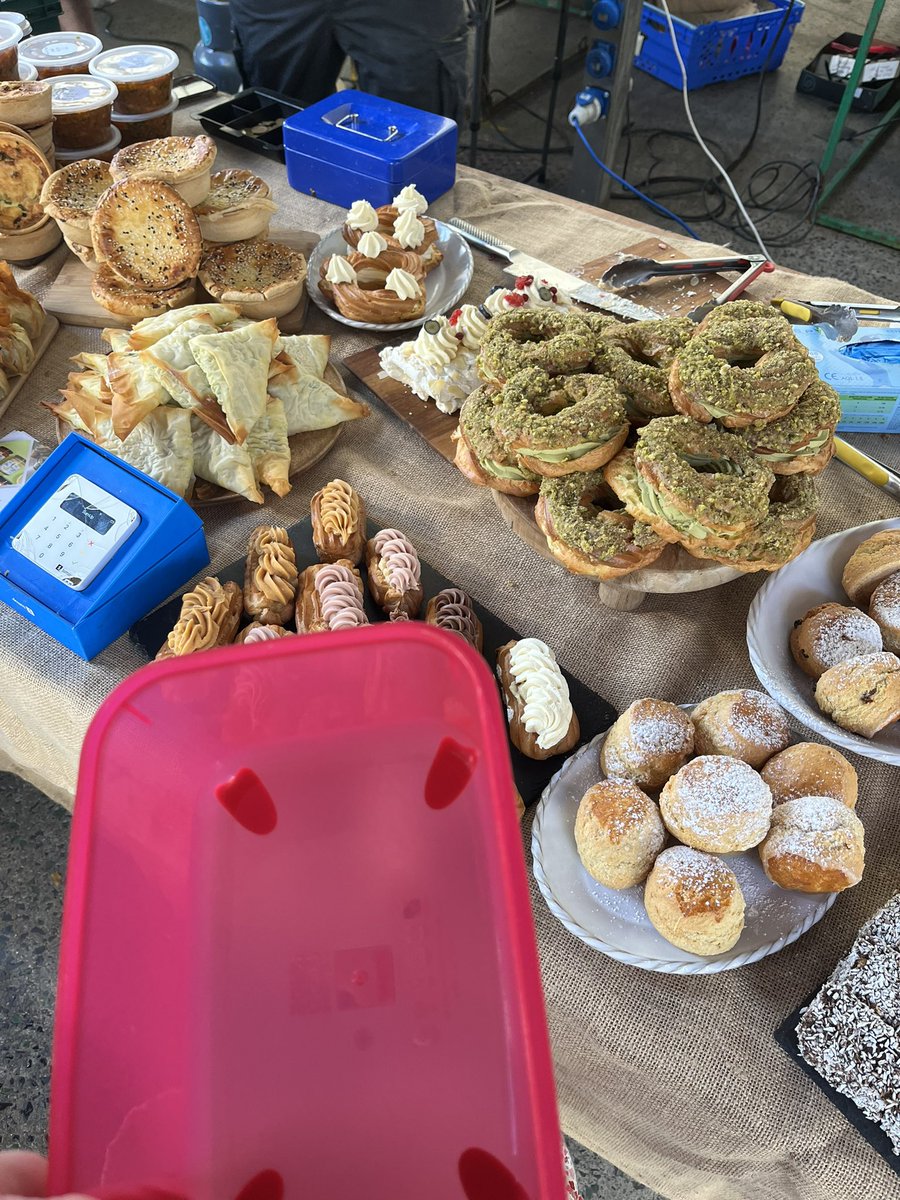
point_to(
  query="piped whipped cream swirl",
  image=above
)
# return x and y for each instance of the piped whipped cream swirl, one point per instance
(541, 690)
(362, 216)
(409, 230)
(398, 560)
(339, 597)
(436, 344)
(410, 198)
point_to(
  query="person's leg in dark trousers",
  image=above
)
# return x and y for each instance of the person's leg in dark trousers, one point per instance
(288, 46)
(412, 51)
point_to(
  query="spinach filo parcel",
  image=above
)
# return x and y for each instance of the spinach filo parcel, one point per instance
(236, 365)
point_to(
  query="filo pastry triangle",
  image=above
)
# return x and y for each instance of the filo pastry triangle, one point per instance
(174, 367)
(136, 391)
(236, 364)
(270, 452)
(309, 402)
(152, 329)
(227, 464)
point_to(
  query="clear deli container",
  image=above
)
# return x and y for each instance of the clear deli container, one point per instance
(143, 75)
(144, 127)
(10, 37)
(17, 18)
(104, 151)
(27, 71)
(298, 955)
(82, 111)
(60, 53)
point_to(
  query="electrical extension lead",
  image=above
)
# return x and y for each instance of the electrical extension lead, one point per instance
(625, 184)
(700, 142)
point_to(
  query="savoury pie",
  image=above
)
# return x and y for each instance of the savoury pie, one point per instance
(72, 193)
(118, 296)
(237, 207)
(185, 163)
(23, 171)
(147, 233)
(264, 279)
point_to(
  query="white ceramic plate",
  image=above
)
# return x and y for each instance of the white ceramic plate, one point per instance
(445, 286)
(616, 923)
(814, 577)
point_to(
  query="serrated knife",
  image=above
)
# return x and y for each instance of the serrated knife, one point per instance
(523, 264)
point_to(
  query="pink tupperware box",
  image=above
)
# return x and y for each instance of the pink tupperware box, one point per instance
(298, 958)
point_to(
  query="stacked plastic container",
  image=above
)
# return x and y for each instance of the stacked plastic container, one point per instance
(143, 76)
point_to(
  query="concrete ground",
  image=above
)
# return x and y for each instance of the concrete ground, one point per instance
(34, 832)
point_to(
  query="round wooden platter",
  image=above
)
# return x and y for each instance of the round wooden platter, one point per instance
(307, 449)
(674, 571)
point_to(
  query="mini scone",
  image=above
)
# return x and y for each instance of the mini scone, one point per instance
(802, 441)
(810, 769)
(740, 372)
(238, 207)
(556, 426)
(884, 608)
(394, 573)
(330, 598)
(618, 833)
(264, 279)
(209, 617)
(270, 576)
(831, 633)
(255, 632)
(862, 694)
(338, 523)
(481, 456)
(147, 233)
(816, 844)
(125, 299)
(452, 609)
(744, 724)
(649, 742)
(71, 194)
(695, 901)
(717, 804)
(541, 719)
(870, 564)
(588, 532)
(185, 163)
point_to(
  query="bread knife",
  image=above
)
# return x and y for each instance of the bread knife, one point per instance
(579, 289)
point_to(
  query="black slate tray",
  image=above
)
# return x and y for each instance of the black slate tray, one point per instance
(252, 119)
(594, 713)
(786, 1037)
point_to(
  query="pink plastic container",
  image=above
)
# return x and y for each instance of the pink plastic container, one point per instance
(298, 958)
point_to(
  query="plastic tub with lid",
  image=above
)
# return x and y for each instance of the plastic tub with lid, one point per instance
(60, 53)
(144, 127)
(10, 37)
(104, 151)
(17, 18)
(27, 71)
(143, 75)
(298, 956)
(82, 110)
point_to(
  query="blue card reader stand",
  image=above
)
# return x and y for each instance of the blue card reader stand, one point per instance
(90, 544)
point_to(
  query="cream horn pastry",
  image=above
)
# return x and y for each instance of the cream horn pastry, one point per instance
(270, 576)
(452, 609)
(330, 598)
(254, 632)
(209, 617)
(338, 523)
(541, 719)
(395, 573)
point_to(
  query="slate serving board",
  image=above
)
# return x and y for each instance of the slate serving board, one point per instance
(594, 713)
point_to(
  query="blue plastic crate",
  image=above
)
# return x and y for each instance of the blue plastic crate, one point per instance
(717, 51)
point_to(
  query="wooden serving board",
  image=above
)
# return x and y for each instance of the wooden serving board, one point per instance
(424, 416)
(48, 333)
(672, 297)
(69, 297)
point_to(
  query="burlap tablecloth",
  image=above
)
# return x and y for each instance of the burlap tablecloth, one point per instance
(677, 1081)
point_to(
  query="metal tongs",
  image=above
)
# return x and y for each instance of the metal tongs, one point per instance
(635, 271)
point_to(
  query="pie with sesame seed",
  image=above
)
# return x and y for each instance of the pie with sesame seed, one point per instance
(147, 233)
(264, 279)
(136, 303)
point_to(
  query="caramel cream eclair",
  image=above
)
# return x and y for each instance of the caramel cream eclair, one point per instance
(394, 573)
(330, 598)
(209, 617)
(539, 709)
(338, 523)
(270, 576)
(452, 609)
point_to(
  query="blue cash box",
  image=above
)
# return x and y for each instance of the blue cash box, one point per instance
(89, 545)
(353, 146)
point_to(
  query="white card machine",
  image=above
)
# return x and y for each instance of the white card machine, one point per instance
(76, 532)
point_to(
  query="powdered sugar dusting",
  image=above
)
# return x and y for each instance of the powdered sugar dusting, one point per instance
(837, 633)
(818, 829)
(885, 604)
(714, 790)
(659, 728)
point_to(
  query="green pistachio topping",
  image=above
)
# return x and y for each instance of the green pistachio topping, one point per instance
(586, 515)
(817, 411)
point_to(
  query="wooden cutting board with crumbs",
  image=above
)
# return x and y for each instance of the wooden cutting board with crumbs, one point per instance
(672, 297)
(69, 296)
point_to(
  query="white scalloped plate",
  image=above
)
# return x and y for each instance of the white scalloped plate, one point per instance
(445, 286)
(814, 577)
(616, 923)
